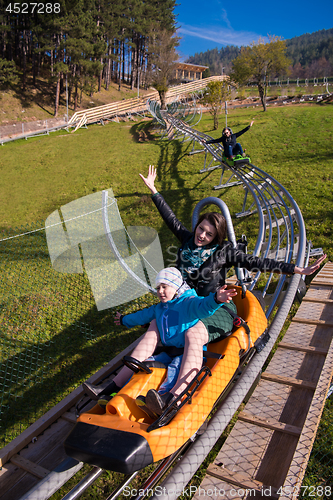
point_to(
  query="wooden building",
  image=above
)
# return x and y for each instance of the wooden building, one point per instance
(186, 71)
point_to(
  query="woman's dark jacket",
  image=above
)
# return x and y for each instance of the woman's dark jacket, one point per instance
(231, 140)
(212, 273)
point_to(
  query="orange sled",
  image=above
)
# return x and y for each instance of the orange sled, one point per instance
(124, 439)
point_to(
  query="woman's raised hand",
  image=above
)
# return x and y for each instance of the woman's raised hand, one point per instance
(310, 269)
(150, 179)
(225, 295)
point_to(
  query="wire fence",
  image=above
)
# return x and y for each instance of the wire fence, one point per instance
(41, 311)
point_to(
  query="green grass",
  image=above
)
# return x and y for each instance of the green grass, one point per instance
(55, 312)
(292, 144)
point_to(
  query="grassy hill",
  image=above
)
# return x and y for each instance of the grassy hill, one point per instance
(37, 101)
(291, 143)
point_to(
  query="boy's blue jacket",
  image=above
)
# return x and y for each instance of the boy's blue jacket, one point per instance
(174, 317)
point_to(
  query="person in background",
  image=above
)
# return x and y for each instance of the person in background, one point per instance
(230, 145)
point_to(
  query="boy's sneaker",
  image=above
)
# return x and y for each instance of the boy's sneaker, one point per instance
(158, 402)
(141, 403)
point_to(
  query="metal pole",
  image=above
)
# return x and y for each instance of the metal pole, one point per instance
(77, 491)
(138, 82)
(226, 114)
(67, 99)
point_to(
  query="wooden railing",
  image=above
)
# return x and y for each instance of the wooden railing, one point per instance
(135, 105)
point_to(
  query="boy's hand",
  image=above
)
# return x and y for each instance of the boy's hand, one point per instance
(225, 295)
(117, 318)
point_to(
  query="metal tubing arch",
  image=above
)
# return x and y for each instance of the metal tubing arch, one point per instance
(302, 234)
(211, 200)
(264, 176)
(113, 246)
(300, 221)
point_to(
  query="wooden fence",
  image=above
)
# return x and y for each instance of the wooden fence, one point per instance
(135, 105)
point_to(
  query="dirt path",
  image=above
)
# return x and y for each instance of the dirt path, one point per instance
(21, 128)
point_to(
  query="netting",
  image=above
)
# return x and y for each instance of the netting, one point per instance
(38, 305)
(57, 286)
(114, 278)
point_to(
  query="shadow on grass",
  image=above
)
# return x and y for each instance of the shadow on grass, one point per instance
(41, 94)
(16, 248)
(142, 132)
(168, 172)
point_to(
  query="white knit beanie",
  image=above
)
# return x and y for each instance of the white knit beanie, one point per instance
(169, 276)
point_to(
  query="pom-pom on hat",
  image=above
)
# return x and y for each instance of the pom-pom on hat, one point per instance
(169, 276)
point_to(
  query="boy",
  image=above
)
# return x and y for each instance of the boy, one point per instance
(177, 314)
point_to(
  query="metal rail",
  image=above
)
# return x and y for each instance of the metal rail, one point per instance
(280, 224)
(276, 210)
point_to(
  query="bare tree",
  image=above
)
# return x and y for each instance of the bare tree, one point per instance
(217, 92)
(163, 60)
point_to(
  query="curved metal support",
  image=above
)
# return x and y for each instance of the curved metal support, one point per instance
(113, 246)
(274, 207)
(54, 480)
(212, 200)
